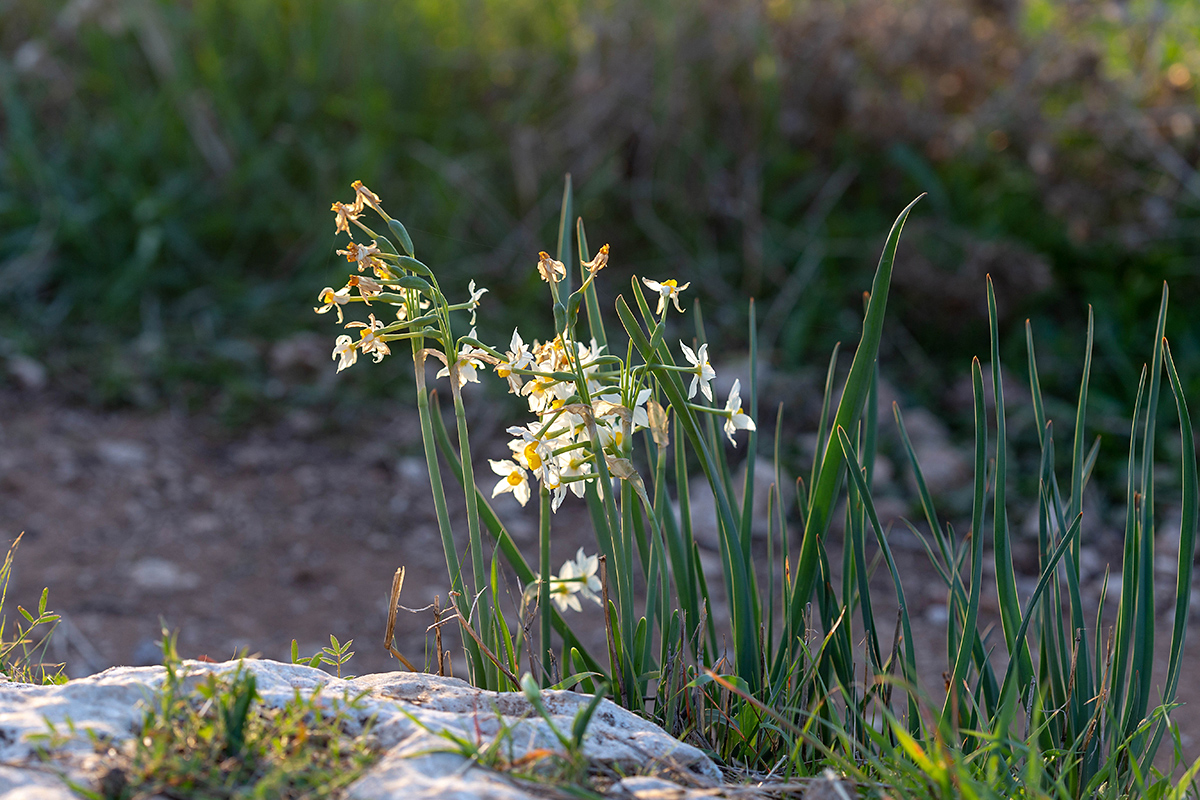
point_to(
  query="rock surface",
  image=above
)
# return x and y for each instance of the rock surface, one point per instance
(408, 708)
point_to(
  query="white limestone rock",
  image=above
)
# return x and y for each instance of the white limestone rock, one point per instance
(112, 705)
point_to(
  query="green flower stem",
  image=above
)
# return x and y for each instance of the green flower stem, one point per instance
(424, 319)
(569, 449)
(508, 547)
(453, 566)
(544, 582)
(616, 521)
(478, 564)
(396, 337)
(720, 412)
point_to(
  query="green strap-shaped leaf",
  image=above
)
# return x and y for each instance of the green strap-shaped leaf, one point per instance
(963, 656)
(828, 481)
(1006, 581)
(565, 250)
(1187, 543)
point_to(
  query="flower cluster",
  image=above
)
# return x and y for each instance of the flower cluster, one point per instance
(556, 448)
(586, 403)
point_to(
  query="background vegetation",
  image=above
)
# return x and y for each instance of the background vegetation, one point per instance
(166, 170)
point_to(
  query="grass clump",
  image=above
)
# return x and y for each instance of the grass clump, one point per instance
(22, 655)
(221, 741)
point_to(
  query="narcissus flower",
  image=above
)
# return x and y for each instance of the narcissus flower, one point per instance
(519, 357)
(333, 299)
(468, 359)
(702, 371)
(365, 195)
(667, 290)
(514, 479)
(346, 350)
(598, 263)
(577, 577)
(734, 417)
(551, 271)
(365, 255)
(367, 287)
(474, 301)
(345, 215)
(370, 341)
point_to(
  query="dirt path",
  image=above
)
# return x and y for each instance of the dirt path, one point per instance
(252, 540)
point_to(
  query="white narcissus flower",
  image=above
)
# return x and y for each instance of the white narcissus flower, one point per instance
(519, 357)
(474, 301)
(528, 447)
(370, 341)
(585, 568)
(703, 371)
(333, 299)
(468, 359)
(577, 577)
(514, 479)
(572, 465)
(346, 350)
(667, 290)
(734, 418)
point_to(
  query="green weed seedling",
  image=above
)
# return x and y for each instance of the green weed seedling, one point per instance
(220, 741)
(335, 655)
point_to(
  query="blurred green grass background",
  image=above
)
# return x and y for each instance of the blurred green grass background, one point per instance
(166, 170)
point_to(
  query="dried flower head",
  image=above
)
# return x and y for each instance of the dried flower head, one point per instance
(551, 271)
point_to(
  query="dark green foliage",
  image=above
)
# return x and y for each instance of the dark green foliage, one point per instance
(165, 171)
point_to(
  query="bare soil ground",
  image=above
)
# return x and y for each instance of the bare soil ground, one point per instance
(135, 520)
